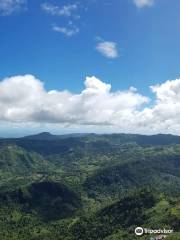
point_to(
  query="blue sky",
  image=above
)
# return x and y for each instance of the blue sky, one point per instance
(123, 43)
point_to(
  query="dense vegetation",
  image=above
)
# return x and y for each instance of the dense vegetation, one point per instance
(88, 187)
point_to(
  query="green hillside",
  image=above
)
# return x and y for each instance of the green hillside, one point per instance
(89, 187)
(160, 172)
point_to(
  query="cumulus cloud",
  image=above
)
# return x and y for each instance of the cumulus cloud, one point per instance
(143, 3)
(8, 7)
(66, 10)
(24, 100)
(108, 49)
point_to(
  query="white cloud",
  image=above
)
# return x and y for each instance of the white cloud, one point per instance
(24, 100)
(143, 3)
(70, 11)
(66, 10)
(68, 31)
(8, 7)
(107, 49)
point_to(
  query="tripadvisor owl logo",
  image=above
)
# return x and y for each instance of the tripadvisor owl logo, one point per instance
(139, 231)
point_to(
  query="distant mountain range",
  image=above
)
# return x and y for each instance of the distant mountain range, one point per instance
(158, 139)
(46, 143)
(48, 136)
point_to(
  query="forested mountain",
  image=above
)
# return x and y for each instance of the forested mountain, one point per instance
(56, 144)
(88, 186)
(49, 136)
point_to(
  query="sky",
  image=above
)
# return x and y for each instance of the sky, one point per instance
(89, 66)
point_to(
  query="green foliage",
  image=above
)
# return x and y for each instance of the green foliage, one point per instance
(88, 187)
(49, 200)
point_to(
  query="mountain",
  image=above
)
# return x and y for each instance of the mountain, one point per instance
(50, 200)
(17, 165)
(48, 144)
(15, 159)
(118, 220)
(44, 147)
(160, 170)
(88, 187)
(120, 138)
(42, 136)
(50, 137)
(27, 213)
